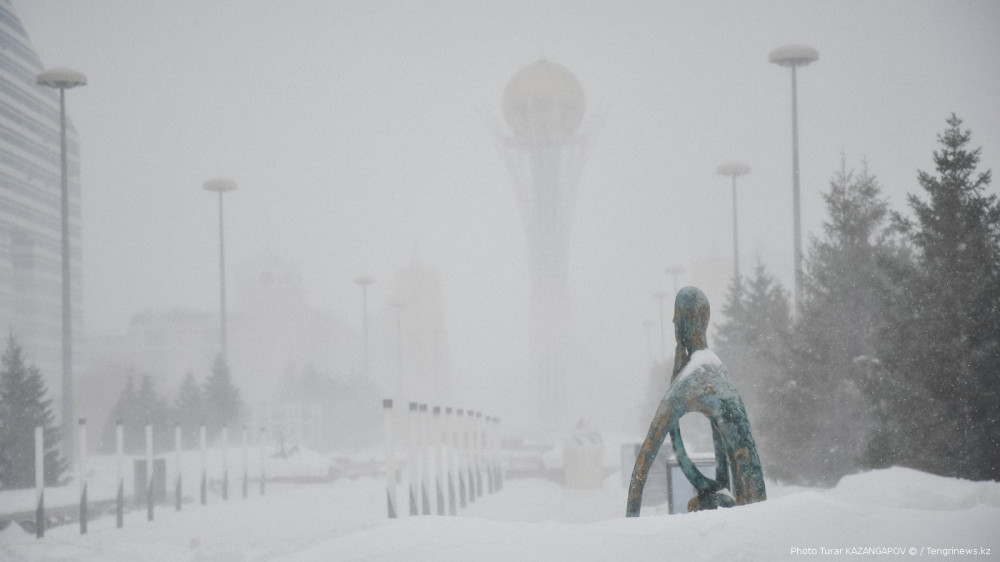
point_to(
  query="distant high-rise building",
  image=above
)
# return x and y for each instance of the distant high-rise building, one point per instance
(30, 208)
(543, 105)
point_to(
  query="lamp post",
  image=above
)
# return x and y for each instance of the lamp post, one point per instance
(63, 79)
(674, 271)
(221, 186)
(794, 56)
(364, 281)
(660, 296)
(734, 169)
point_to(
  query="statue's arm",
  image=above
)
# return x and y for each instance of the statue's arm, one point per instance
(654, 438)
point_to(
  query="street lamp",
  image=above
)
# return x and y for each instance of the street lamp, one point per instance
(794, 56)
(63, 79)
(674, 271)
(660, 295)
(364, 281)
(220, 186)
(734, 169)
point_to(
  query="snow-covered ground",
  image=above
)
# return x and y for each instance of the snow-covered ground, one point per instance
(894, 512)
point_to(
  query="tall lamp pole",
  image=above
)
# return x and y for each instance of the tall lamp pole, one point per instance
(734, 169)
(674, 271)
(794, 56)
(364, 281)
(63, 79)
(221, 186)
(660, 296)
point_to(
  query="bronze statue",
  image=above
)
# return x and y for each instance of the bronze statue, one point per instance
(699, 384)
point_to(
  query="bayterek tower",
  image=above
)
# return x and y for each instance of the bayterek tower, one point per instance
(543, 105)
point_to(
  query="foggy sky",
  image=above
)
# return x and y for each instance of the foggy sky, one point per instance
(360, 136)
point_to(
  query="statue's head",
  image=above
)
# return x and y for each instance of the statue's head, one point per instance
(691, 312)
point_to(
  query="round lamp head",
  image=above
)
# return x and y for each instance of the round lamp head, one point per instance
(62, 78)
(733, 169)
(220, 185)
(793, 55)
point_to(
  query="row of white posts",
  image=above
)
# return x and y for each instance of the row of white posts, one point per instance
(465, 455)
(150, 499)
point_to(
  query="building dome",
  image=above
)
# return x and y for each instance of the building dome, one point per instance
(543, 101)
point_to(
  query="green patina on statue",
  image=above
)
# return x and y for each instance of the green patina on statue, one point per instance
(699, 384)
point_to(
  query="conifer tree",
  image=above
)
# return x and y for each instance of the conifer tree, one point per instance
(835, 336)
(945, 337)
(23, 406)
(753, 345)
(222, 402)
(188, 409)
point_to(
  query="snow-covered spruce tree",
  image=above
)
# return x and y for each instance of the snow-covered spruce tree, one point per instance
(753, 345)
(23, 406)
(835, 334)
(188, 410)
(222, 403)
(153, 410)
(944, 341)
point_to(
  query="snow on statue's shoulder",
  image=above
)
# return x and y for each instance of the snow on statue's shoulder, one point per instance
(700, 359)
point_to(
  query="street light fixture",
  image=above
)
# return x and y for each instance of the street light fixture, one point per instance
(364, 281)
(794, 56)
(674, 271)
(734, 169)
(63, 79)
(220, 186)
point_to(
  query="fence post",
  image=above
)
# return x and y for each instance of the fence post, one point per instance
(390, 460)
(225, 463)
(246, 469)
(178, 491)
(462, 458)
(438, 443)
(478, 452)
(499, 450)
(450, 460)
(203, 442)
(39, 482)
(412, 466)
(120, 458)
(149, 472)
(425, 473)
(82, 466)
(263, 474)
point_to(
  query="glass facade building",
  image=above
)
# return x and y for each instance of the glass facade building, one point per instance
(30, 208)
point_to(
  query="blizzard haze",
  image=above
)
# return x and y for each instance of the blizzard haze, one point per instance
(361, 137)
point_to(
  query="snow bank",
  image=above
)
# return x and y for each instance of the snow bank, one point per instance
(539, 520)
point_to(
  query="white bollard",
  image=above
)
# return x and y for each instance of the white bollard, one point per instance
(82, 474)
(438, 443)
(39, 482)
(120, 462)
(225, 463)
(390, 460)
(149, 472)
(178, 492)
(412, 466)
(263, 473)
(449, 432)
(499, 453)
(246, 466)
(463, 458)
(203, 443)
(478, 452)
(425, 473)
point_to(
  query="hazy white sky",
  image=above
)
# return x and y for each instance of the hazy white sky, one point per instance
(359, 133)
